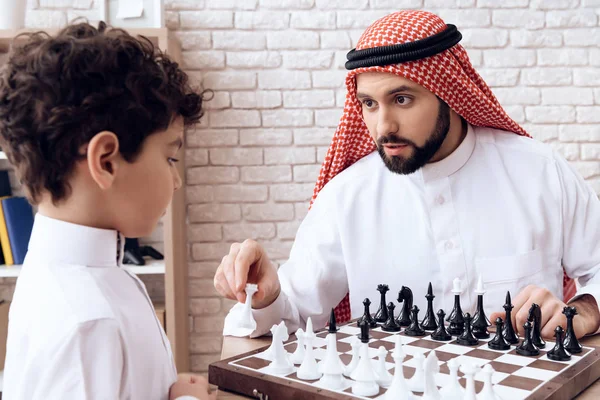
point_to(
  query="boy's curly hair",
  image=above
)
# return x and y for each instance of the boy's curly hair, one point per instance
(57, 92)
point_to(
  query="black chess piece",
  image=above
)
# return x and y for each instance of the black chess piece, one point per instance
(367, 315)
(382, 315)
(467, 338)
(441, 333)
(429, 323)
(391, 325)
(558, 352)
(480, 320)
(405, 297)
(571, 343)
(332, 328)
(509, 332)
(456, 317)
(364, 335)
(498, 342)
(527, 348)
(414, 329)
(535, 317)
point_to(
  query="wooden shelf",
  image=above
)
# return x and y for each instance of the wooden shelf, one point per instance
(151, 267)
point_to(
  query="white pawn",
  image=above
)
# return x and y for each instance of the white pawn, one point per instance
(298, 355)
(470, 370)
(487, 393)
(355, 343)
(398, 389)
(332, 367)
(281, 364)
(365, 380)
(453, 390)
(308, 369)
(384, 378)
(430, 368)
(417, 382)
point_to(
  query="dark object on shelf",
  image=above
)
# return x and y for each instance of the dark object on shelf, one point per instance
(134, 253)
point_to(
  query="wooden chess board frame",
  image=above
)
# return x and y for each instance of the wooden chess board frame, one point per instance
(255, 384)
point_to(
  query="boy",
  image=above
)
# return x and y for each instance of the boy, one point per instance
(92, 120)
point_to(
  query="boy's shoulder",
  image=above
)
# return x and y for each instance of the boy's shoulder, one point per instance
(62, 297)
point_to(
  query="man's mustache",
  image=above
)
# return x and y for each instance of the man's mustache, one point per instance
(392, 139)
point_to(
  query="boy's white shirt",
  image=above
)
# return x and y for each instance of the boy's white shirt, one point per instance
(80, 325)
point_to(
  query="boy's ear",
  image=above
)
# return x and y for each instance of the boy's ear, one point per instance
(103, 158)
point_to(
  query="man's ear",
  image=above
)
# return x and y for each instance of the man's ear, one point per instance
(103, 158)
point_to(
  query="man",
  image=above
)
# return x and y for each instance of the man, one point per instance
(427, 179)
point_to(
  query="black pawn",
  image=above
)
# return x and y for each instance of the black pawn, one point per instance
(405, 297)
(456, 318)
(480, 321)
(414, 329)
(467, 338)
(499, 342)
(364, 332)
(441, 333)
(332, 324)
(571, 343)
(429, 323)
(382, 315)
(509, 331)
(526, 348)
(535, 317)
(391, 325)
(559, 353)
(367, 315)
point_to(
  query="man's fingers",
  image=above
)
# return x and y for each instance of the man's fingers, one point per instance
(220, 283)
(495, 316)
(550, 311)
(556, 320)
(518, 302)
(248, 255)
(229, 267)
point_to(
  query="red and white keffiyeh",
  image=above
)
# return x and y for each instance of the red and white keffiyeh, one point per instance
(449, 75)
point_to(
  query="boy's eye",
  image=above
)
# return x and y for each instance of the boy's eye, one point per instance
(173, 160)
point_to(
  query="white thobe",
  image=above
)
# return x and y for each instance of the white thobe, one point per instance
(501, 206)
(80, 325)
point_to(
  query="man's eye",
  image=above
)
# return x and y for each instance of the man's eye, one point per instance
(402, 100)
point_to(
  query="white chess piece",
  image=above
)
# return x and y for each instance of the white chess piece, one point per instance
(488, 393)
(280, 364)
(417, 382)
(239, 321)
(365, 380)
(430, 368)
(398, 389)
(298, 355)
(470, 370)
(355, 343)
(480, 289)
(332, 367)
(331, 352)
(384, 378)
(453, 390)
(268, 353)
(308, 369)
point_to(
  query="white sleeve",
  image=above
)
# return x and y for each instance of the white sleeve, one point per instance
(313, 280)
(89, 365)
(581, 230)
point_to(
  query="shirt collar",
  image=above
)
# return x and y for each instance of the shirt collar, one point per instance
(455, 161)
(68, 243)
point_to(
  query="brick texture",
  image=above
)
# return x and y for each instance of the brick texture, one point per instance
(276, 67)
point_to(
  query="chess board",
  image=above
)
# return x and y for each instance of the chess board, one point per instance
(516, 377)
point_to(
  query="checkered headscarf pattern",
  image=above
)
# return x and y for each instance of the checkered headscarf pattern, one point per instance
(448, 74)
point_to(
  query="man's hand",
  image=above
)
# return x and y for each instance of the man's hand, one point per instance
(248, 263)
(191, 385)
(587, 321)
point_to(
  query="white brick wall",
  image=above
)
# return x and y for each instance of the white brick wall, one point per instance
(277, 70)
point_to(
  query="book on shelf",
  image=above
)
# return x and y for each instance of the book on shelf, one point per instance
(16, 223)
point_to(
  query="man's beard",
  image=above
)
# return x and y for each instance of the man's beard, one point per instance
(421, 155)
